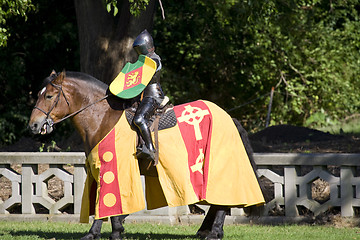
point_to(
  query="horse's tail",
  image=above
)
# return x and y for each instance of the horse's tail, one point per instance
(246, 141)
(249, 150)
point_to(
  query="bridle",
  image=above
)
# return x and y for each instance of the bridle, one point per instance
(48, 120)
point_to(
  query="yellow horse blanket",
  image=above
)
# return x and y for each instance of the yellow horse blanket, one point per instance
(201, 160)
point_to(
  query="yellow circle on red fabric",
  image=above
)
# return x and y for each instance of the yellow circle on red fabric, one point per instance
(108, 156)
(108, 177)
(109, 199)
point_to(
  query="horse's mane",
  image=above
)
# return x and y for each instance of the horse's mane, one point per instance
(79, 76)
(114, 102)
(87, 78)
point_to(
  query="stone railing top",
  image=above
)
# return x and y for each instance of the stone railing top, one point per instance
(42, 157)
(312, 159)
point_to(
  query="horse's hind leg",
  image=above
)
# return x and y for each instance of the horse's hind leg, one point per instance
(95, 230)
(117, 227)
(212, 226)
(206, 225)
(217, 231)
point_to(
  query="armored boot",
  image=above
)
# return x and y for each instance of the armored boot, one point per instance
(141, 121)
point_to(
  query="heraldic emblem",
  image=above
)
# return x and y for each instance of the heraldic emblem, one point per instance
(133, 78)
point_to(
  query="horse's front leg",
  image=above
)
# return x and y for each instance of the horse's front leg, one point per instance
(212, 226)
(117, 227)
(95, 230)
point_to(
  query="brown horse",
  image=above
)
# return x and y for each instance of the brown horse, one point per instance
(94, 112)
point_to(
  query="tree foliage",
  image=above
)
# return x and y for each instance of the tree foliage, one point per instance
(46, 41)
(135, 8)
(231, 52)
(234, 52)
(8, 9)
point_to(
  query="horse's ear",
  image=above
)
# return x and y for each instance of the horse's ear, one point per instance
(52, 73)
(60, 78)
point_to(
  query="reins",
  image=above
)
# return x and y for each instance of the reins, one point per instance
(49, 120)
(81, 109)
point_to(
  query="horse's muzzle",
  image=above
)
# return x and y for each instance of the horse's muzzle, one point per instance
(43, 127)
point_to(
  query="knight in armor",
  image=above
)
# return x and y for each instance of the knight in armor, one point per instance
(152, 96)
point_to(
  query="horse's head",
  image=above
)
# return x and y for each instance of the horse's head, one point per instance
(51, 105)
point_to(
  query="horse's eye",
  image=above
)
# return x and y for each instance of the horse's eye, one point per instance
(49, 97)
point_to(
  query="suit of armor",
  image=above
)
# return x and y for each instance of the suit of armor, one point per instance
(152, 95)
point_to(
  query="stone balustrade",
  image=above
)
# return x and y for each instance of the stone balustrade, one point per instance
(293, 177)
(290, 179)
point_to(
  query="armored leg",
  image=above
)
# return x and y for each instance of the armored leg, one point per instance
(141, 120)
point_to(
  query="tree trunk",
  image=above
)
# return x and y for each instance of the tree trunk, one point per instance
(106, 40)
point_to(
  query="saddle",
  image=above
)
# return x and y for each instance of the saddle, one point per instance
(163, 118)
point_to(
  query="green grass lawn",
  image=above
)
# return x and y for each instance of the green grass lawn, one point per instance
(61, 230)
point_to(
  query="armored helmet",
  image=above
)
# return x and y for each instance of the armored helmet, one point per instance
(144, 43)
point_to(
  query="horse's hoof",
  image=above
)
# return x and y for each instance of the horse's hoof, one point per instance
(208, 235)
(214, 236)
(90, 236)
(118, 238)
(202, 234)
(115, 236)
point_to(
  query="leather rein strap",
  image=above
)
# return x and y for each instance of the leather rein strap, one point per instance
(61, 92)
(80, 110)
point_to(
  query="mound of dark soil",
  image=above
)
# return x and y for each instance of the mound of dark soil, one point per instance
(292, 134)
(287, 138)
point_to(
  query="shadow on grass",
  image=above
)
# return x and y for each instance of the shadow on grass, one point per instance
(47, 235)
(78, 235)
(143, 236)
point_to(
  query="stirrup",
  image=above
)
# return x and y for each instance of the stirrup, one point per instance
(164, 102)
(144, 153)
